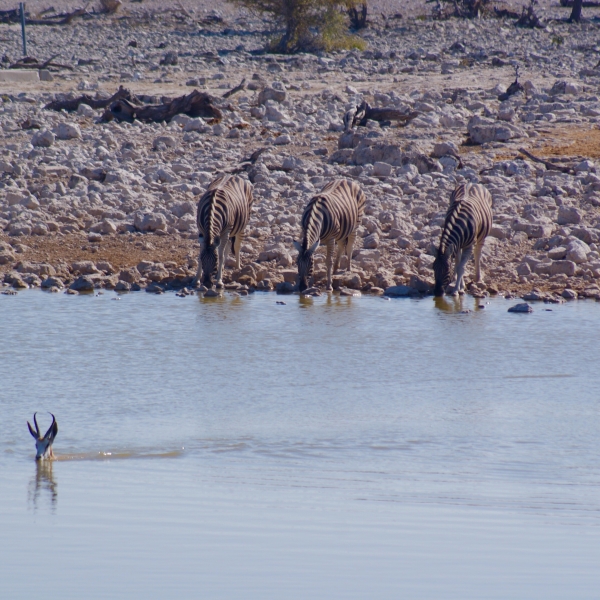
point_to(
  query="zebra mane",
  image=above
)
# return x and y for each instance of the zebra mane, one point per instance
(313, 229)
(455, 207)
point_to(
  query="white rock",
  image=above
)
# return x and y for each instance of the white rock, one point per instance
(577, 251)
(68, 131)
(85, 110)
(283, 140)
(382, 169)
(43, 138)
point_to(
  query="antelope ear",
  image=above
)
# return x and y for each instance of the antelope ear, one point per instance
(31, 431)
(314, 246)
(297, 245)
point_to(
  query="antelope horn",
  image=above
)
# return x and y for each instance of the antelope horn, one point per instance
(37, 427)
(52, 430)
(31, 431)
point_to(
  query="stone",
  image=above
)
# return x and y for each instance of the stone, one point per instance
(52, 282)
(569, 294)
(482, 131)
(45, 75)
(423, 286)
(443, 149)
(400, 291)
(577, 251)
(283, 140)
(123, 286)
(284, 287)
(585, 165)
(19, 76)
(68, 131)
(43, 138)
(82, 284)
(348, 292)
(164, 140)
(150, 222)
(211, 294)
(371, 241)
(521, 308)
(85, 110)
(382, 169)
(568, 215)
(84, 267)
(271, 94)
(558, 253)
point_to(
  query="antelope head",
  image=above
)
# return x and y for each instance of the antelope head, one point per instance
(43, 445)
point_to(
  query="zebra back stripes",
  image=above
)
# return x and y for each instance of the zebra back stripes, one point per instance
(224, 206)
(332, 216)
(223, 213)
(334, 213)
(467, 224)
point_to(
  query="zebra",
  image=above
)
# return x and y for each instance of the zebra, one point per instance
(331, 217)
(468, 222)
(223, 213)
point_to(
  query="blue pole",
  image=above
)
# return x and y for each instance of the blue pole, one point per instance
(22, 7)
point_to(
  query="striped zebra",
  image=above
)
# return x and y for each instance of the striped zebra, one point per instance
(468, 222)
(223, 213)
(331, 217)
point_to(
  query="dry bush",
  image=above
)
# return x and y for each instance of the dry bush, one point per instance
(309, 24)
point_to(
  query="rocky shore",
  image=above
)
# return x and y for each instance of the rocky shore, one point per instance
(86, 204)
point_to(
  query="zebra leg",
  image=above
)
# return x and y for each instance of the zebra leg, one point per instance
(329, 264)
(460, 269)
(237, 244)
(477, 254)
(338, 256)
(223, 247)
(349, 249)
(198, 277)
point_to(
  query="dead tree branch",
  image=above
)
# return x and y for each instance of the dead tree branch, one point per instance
(236, 89)
(549, 165)
(73, 105)
(196, 104)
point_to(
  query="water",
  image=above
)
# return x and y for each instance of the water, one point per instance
(343, 448)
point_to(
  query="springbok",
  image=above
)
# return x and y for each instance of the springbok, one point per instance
(43, 445)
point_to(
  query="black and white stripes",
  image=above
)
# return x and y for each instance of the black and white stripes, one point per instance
(468, 222)
(223, 213)
(331, 217)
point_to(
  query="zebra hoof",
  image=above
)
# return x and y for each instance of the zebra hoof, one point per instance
(329, 288)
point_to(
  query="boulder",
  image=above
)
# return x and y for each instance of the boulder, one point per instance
(68, 131)
(483, 131)
(82, 284)
(521, 308)
(271, 94)
(150, 222)
(577, 251)
(400, 291)
(43, 138)
(568, 215)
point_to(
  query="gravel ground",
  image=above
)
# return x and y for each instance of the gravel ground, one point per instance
(89, 204)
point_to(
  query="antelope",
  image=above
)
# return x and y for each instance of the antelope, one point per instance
(43, 445)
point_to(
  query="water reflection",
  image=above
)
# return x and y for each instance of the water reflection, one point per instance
(449, 304)
(42, 484)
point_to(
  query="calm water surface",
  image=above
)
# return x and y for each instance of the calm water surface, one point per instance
(329, 448)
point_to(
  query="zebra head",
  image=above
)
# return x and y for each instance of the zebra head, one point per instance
(43, 445)
(209, 260)
(441, 271)
(305, 263)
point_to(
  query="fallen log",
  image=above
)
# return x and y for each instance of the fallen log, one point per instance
(549, 165)
(62, 19)
(32, 63)
(359, 116)
(196, 104)
(73, 105)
